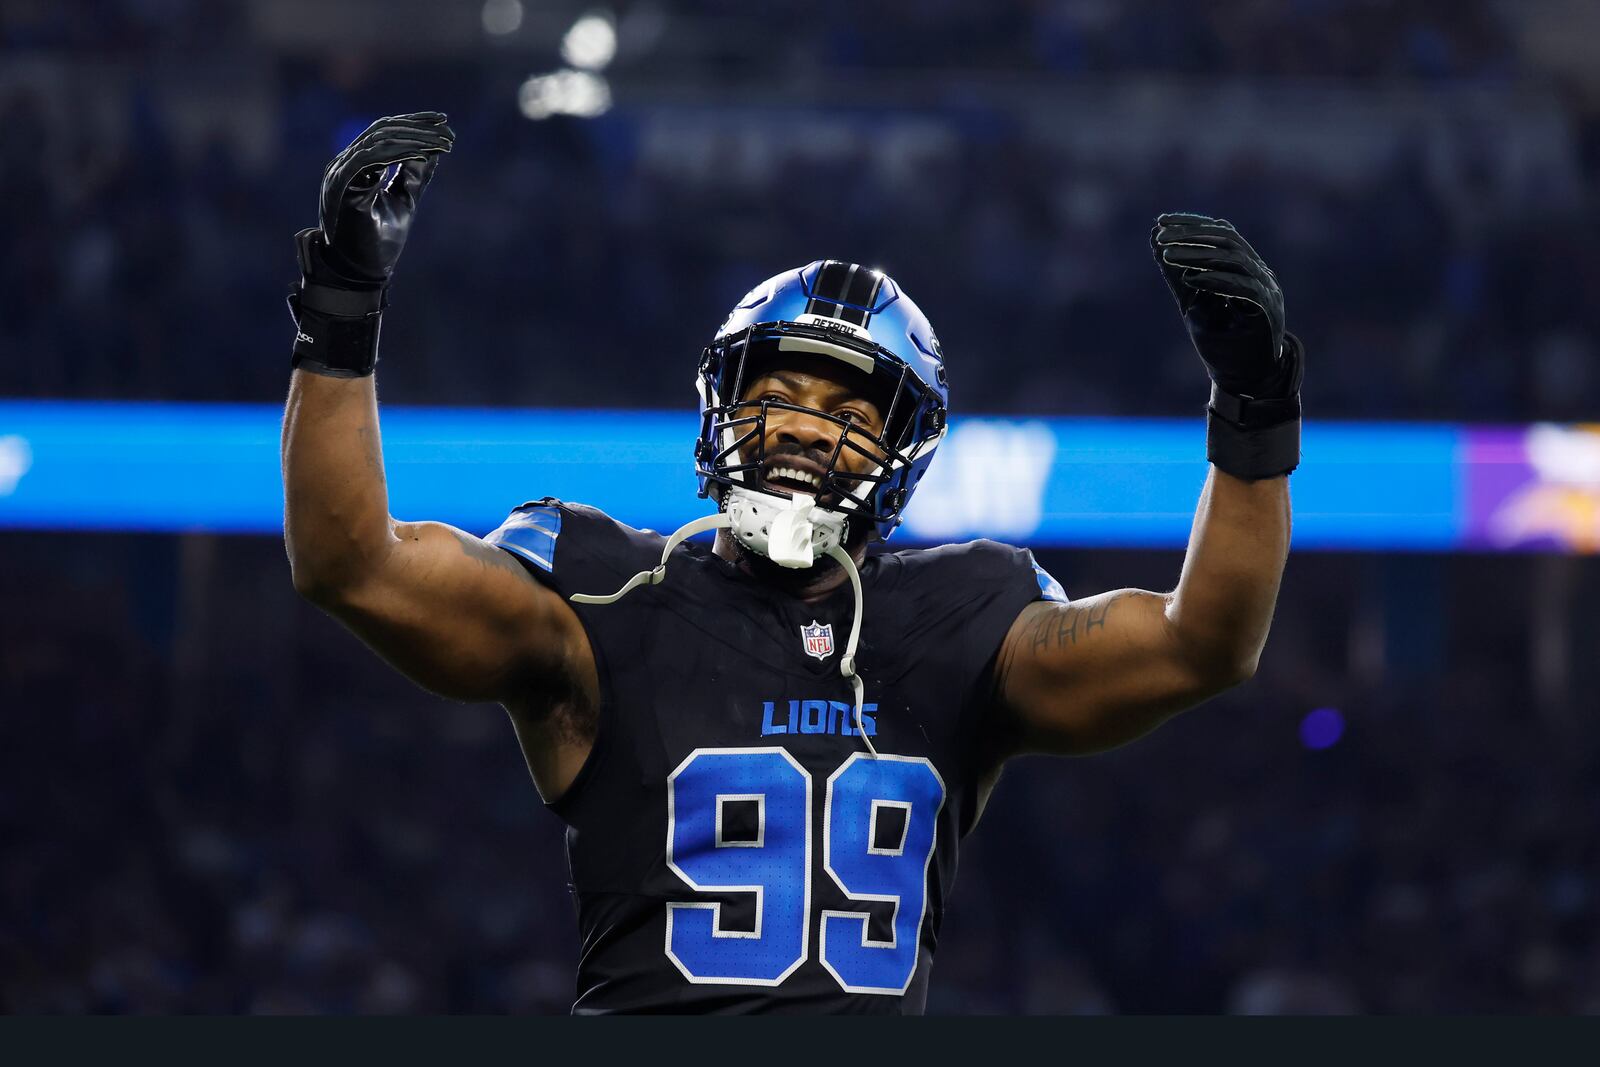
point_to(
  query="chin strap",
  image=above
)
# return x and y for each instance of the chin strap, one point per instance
(721, 521)
(847, 665)
(655, 575)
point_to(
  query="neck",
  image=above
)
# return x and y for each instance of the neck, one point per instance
(807, 584)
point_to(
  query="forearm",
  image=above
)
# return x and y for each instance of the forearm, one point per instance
(1222, 608)
(336, 502)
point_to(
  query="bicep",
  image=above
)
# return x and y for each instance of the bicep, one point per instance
(1095, 673)
(463, 618)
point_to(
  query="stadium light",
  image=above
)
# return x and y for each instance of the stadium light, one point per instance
(566, 92)
(591, 42)
(502, 17)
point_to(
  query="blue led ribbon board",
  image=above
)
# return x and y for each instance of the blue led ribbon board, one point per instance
(1044, 482)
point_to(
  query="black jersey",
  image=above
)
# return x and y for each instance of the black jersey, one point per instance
(734, 846)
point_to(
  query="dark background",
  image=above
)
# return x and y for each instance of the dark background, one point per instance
(214, 799)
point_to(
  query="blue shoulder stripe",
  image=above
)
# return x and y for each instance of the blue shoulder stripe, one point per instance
(1049, 588)
(531, 533)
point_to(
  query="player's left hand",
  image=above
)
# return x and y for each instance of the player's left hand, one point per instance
(1230, 302)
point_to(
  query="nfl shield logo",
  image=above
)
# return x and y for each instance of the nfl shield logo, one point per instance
(818, 638)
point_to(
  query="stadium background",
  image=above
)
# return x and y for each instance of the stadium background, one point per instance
(212, 799)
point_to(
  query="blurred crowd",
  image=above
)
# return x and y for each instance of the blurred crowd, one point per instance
(217, 808)
(172, 151)
(215, 800)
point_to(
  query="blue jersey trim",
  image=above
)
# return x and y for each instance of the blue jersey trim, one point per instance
(531, 533)
(1049, 588)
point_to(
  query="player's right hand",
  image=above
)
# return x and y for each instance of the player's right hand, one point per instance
(364, 218)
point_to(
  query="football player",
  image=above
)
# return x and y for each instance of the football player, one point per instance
(767, 750)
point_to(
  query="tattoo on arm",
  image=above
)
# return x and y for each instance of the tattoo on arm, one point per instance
(1052, 626)
(1069, 624)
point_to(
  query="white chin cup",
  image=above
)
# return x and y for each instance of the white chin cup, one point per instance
(790, 532)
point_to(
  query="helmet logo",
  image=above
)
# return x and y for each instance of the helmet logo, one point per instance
(818, 639)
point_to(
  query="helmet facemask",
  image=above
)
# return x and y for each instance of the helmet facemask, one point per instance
(863, 481)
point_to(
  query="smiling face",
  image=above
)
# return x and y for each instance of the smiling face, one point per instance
(799, 445)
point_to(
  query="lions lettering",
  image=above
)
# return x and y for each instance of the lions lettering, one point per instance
(816, 717)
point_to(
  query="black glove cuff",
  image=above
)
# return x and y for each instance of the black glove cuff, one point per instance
(325, 289)
(340, 303)
(337, 346)
(1250, 413)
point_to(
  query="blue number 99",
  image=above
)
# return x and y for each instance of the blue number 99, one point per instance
(882, 815)
(880, 822)
(774, 864)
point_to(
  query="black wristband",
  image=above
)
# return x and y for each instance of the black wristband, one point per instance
(1252, 454)
(1257, 437)
(336, 318)
(334, 345)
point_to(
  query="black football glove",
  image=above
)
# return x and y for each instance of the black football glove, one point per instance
(365, 214)
(1233, 309)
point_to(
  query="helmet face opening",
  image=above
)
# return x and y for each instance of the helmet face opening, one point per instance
(869, 475)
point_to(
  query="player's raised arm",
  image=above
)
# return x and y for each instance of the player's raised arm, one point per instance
(1095, 673)
(456, 615)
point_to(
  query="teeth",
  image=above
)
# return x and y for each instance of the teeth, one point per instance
(798, 475)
